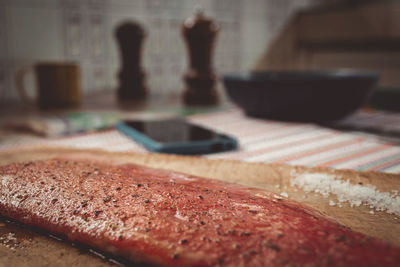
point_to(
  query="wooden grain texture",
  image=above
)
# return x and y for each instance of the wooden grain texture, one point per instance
(364, 35)
(36, 249)
(369, 21)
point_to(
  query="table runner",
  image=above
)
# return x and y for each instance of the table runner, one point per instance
(339, 145)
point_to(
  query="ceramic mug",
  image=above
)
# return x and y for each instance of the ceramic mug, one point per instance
(58, 84)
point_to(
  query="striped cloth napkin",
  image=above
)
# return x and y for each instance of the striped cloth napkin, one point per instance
(311, 144)
(352, 143)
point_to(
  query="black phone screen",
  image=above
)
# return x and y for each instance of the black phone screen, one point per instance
(172, 130)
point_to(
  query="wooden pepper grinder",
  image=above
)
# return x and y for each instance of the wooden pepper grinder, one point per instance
(131, 76)
(200, 33)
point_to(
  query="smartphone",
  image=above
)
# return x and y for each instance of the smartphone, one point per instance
(176, 136)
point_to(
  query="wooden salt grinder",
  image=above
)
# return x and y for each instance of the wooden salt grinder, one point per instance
(131, 76)
(199, 33)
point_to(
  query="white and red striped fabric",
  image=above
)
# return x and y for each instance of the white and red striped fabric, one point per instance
(311, 144)
(272, 141)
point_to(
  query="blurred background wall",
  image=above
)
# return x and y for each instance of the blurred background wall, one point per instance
(83, 31)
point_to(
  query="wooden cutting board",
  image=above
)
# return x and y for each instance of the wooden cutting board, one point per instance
(24, 247)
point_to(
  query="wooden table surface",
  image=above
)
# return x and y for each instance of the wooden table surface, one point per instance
(108, 101)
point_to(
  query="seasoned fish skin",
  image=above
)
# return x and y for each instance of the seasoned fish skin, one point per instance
(173, 219)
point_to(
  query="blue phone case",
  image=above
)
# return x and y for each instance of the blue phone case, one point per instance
(223, 143)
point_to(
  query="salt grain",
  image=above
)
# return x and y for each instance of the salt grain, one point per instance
(284, 194)
(354, 194)
(332, 203)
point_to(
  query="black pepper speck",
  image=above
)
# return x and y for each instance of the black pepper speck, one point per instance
(97, 212)
(246, 233)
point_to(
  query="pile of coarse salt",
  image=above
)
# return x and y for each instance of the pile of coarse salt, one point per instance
(9, 241)
(354, 194)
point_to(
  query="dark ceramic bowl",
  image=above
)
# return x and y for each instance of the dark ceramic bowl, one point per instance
(309, 96)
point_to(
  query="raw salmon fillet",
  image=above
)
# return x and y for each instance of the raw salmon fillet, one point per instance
(172, 219)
